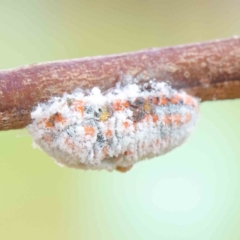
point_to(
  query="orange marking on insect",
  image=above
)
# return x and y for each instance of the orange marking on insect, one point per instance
(126, 124)
(176, 119)
(189, 101)
(59, 118)
(147, 118)
(49, 124)
(126, 153)
(89, 130)
(120, 105)
(78, 106)
(105, 150)
(175, 99)
(117, 105)
(187, 117)
(46, 122)
(70, 143)
(56, 118)
(125, 104)
(155, 118)
(167, 119)
(163, 101)
(108, 133)
(47, 138)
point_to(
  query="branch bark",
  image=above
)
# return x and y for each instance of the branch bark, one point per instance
(209, 70)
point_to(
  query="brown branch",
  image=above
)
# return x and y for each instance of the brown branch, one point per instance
(209, 70)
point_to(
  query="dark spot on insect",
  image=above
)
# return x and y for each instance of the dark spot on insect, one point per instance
(138, 115)
(153, 100)
(147, 87)
(97, 113)
(100, 139)
(88, 109)
(68, 133)
(180, 102)
(139, 101)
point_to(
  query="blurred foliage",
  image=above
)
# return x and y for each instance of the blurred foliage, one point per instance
(191, 193)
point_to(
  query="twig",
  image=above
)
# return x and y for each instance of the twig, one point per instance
(209, 70)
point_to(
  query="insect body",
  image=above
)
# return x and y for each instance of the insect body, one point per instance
(116, 129)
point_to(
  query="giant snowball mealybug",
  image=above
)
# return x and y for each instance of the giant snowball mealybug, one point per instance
(113, 129)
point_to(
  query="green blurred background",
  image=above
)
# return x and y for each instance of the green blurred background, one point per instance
(191, 193)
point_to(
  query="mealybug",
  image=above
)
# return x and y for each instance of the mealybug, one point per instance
(116, 129)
